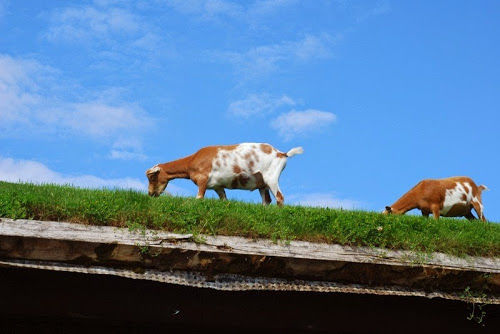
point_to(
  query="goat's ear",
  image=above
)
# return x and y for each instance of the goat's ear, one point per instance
(152, 171)
(388, 209)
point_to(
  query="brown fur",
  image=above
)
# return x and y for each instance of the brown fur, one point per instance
(281, 155)
(236, 169)
(279, 198)
(243, 179)
(428, 196)
(267, 149)
(196, 167)
(234, 183)
(259, 180)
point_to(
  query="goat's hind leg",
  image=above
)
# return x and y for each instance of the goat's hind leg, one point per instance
(266, 197)
(478, 207)
(221, 193)
(275, 189)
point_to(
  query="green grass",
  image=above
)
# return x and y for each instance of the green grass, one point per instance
(188, 215)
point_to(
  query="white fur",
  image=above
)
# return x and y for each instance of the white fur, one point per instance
(153, 169)
(294, 151)
(454, 196)
(270, 165)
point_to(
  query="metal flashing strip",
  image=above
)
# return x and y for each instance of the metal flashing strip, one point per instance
(231, 282)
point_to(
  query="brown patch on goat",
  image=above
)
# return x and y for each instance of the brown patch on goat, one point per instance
(279, 198)
(259, 180)
(267, 149)
(464, 197)
(458, 210)
(267, 196)
(243, 179)
(234, 183)
(281, 155)
(236, 169)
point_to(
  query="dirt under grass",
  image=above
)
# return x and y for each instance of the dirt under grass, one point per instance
(127, 208)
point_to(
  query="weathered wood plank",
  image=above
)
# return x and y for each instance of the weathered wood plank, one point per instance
(238, 245)
(161, 251)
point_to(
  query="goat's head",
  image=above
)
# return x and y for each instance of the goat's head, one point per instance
(158, 181)
(387, 211)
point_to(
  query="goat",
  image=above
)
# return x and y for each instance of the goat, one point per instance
(247, 166)
(449, 197)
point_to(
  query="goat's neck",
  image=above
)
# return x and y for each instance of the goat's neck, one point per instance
(406, 203)
(177, 169)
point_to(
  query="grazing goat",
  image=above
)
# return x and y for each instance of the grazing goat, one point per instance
(450, 197)
(247, 166)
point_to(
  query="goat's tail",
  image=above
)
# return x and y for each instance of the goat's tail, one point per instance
(482, 188)
(294, 151)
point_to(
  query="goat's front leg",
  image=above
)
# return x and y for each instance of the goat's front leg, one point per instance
(470, 216)
(202, 187)
(436, 211)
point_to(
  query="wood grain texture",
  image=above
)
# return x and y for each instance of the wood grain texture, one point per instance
(156, 250)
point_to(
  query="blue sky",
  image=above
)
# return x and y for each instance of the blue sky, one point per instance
(380, 94)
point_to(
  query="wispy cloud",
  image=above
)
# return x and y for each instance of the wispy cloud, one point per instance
(3, 7)
(31, 101)
(73, 24)
(113, 30)
(265, 59)
(258, 104)
(127, 149)
(380, 7)
(213, 9)
(325, 200)
(32, 171)
(18, 170)
(207, 8)
(296, 123)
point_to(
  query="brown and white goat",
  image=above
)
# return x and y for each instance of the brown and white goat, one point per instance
(247, 166)
(450, 197)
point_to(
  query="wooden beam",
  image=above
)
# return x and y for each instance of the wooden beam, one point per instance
(156, 251)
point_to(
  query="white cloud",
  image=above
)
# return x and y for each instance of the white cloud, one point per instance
(32, 171)
(31, 101)
(73, 24)
(15, 170)
(326, 200)
(99, 119)
(3, 7)
(19, 91)
(258, 104)
(381, 7)
(211, 9)
(207, 8)
(116, 32)
(262, 7)
(127, 149)
(262, 60)
(302, 122)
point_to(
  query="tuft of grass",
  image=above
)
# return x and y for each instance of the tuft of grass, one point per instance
(135, 210)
